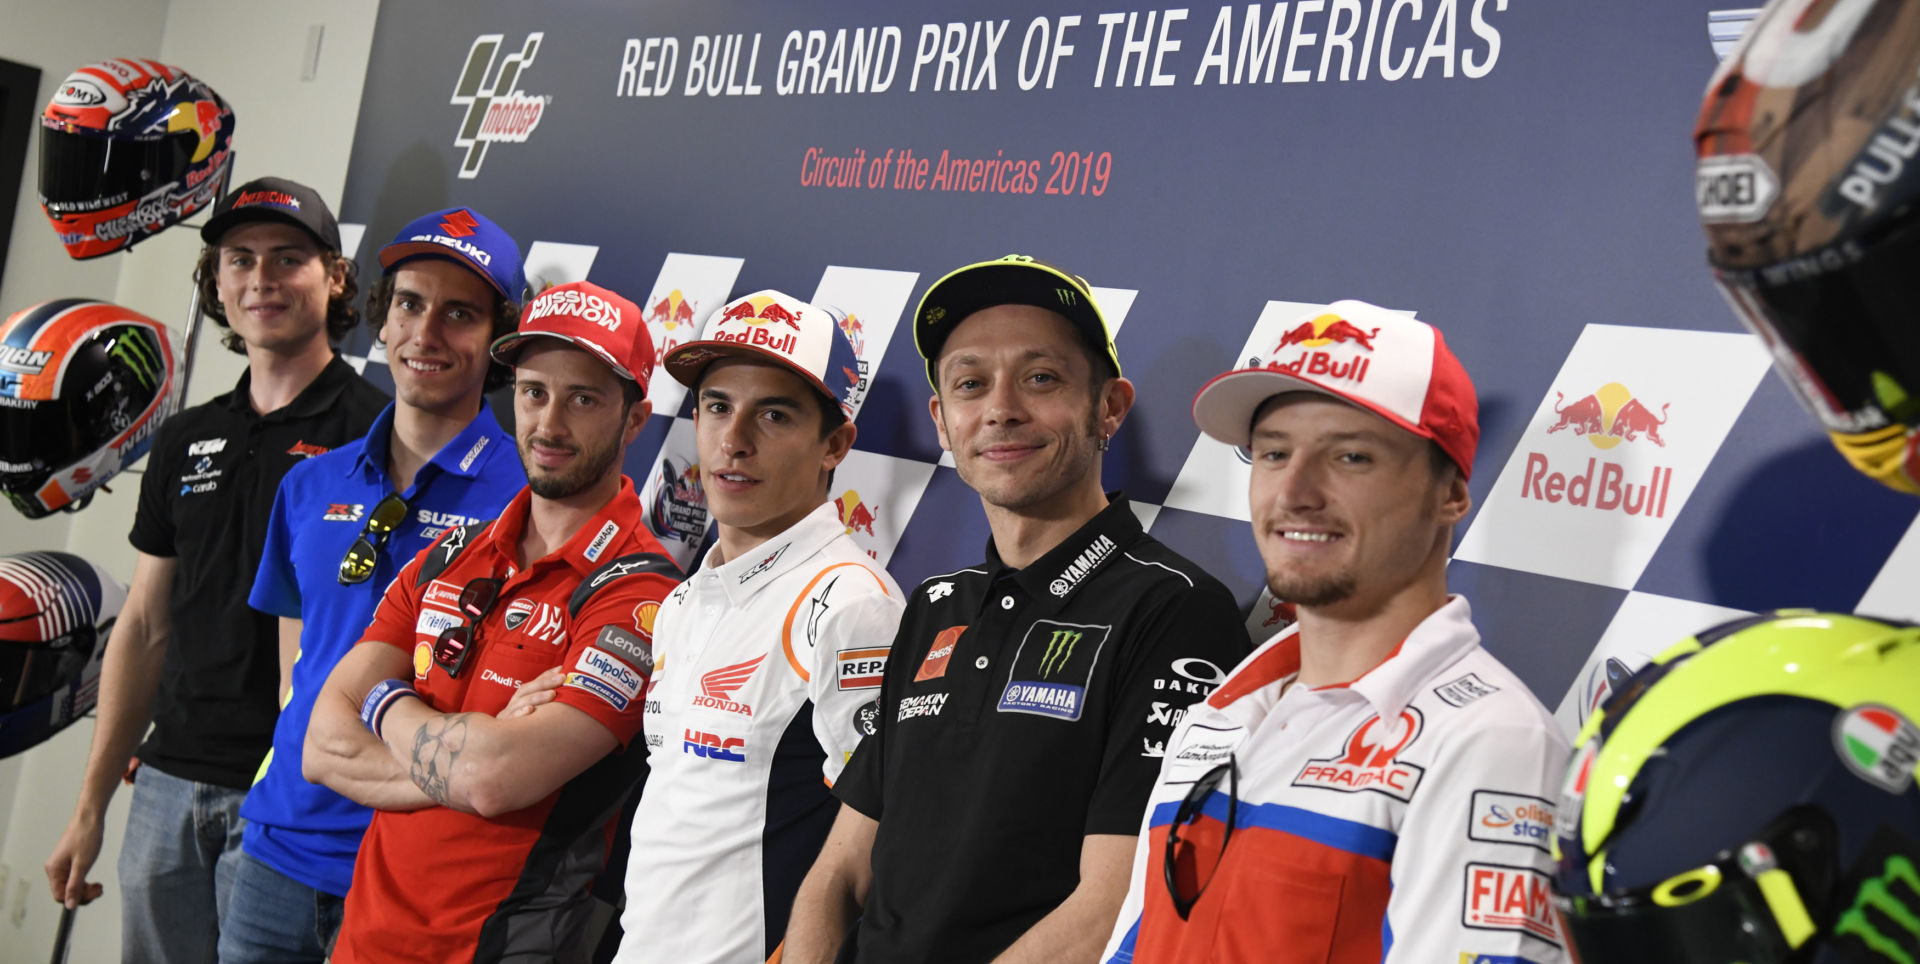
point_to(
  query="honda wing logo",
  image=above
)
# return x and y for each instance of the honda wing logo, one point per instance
(497, 111)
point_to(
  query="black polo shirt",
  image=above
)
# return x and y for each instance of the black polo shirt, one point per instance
(205, 500)
(1020, 711)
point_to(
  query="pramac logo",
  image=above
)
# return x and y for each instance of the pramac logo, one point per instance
(1371, 760)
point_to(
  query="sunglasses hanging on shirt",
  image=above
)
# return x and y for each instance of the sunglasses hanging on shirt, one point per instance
(357, 565)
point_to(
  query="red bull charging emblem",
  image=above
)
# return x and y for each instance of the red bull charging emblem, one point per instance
(1323, 349)
(1605, 418)
(750, 321)
(856, 515)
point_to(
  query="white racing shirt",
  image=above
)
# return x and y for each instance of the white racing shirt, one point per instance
(766, 669)
(1403, 817)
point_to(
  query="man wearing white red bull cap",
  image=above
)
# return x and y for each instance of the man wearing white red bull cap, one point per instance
(490, 824)
(767, 661)
(1371, 784)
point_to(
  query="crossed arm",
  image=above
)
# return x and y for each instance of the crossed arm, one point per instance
(474, 762)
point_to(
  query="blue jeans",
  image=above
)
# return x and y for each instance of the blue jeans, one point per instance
(273, 919)
(176, 868)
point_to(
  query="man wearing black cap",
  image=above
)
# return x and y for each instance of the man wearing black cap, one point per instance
(991, 814)
(272, 275)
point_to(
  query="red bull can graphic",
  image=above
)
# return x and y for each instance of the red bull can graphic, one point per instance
(1311, 338)
(1606, 418)
(856, 515)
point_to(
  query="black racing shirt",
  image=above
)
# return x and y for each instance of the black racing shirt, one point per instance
(1020, 711)
(205, 500)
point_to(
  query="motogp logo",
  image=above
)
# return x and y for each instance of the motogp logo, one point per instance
(497, 111)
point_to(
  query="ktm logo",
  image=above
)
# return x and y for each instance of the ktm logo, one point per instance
(459, 224)
(497, 111)
(1608, 417)
(1328, 329)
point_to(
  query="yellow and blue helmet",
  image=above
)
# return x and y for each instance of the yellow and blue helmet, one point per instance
(1750, 796)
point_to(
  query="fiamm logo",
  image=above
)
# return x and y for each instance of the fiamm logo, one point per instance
(497, 111)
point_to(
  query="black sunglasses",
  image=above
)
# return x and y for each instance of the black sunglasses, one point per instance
(357, 565)
(1185, 814)
(476, 601)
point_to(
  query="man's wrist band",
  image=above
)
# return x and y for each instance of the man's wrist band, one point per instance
(380, 699)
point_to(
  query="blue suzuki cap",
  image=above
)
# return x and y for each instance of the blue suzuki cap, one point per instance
(465, 236)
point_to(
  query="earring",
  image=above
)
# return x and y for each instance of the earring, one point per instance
(1102, 444)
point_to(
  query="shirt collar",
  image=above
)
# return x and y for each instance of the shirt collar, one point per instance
(589, 549)
(317, 397)
(741, 578)
(464, 455)
(1440, 640)
(379, 441)
(1053, 579)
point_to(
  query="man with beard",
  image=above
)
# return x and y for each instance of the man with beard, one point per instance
(1371, 784)
(343, 525)
(489, 827)
(187, 654)
(990, 814)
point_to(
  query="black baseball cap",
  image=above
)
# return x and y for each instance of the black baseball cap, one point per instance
(1016, 279)
(273, 199)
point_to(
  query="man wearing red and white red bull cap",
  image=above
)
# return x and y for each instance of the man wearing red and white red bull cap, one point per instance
(767, 661)
(1371, 784)
(490, 824)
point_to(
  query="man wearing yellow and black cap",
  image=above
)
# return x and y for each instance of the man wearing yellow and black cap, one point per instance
(1027, 698)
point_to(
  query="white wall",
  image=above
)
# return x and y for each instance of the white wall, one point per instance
(251, 53)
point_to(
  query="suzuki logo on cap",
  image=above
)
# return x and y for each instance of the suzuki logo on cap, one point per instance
(459, 224)
(497, 111)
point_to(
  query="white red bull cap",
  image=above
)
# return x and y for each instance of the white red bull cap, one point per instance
(1390, 364)
(601, 322)
(776, 327)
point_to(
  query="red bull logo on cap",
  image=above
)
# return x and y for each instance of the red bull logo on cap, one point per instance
(1605, 418)
(757, 314)
(856, 515)
(1323, 332)
(856, 334)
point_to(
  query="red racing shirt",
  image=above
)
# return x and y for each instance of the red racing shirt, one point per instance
(441, 885)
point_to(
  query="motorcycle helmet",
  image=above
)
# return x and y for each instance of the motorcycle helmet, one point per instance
(56, 610)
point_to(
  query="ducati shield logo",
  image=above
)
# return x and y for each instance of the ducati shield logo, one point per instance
(497, 110)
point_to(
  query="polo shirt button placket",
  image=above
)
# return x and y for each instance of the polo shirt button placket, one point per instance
(1006, 602)
(980, 663)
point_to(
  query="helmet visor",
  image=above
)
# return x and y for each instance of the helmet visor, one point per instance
(79, 172)
(35, 439)
(1843, 324)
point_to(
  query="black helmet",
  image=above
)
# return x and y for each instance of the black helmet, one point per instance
(83, 386)
(1808, 187)
(1750, 796)
(56, 610)
(128, 147)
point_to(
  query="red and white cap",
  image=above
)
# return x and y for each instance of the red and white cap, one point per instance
(1388, 363)
(590, 317)
(777, 327)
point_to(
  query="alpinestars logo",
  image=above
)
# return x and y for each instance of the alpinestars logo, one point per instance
(497, 111)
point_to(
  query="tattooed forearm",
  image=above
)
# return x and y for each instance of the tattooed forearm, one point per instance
(436, 747)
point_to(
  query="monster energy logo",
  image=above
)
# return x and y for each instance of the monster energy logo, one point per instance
(140, 352)
(1059, 650)
(1067, 297)
(1901, 909)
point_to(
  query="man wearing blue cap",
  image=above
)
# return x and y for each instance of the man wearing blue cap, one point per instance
(343, 524)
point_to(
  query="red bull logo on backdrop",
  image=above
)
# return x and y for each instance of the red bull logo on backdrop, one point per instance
(1606, 418)
(856, 515)
(1322, 349)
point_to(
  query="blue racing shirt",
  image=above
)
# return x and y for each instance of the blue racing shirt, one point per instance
(301, 829)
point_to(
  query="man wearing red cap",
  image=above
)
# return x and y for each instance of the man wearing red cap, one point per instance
(489, 826)
(1370, 785)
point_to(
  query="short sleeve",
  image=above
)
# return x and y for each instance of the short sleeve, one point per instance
(153, 531)
(843, 627)
(276, 587)
(1200, 629)
(861, 784)
(1461, 885)
(609, 654)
